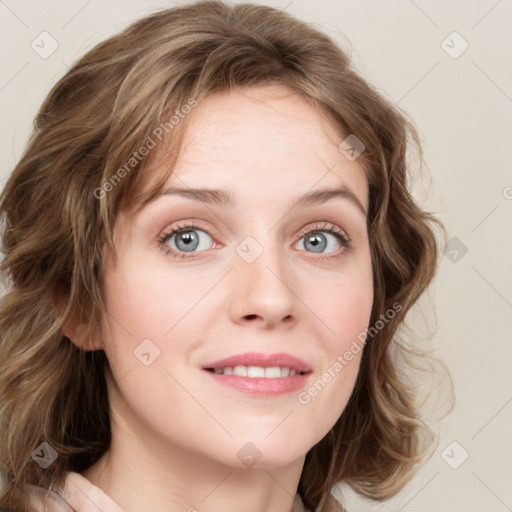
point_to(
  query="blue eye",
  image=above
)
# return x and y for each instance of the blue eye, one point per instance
(319, 241)
(326, 240)
(186, 239)
(321, 238)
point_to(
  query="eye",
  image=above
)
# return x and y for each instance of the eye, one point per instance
(324, 238)
(185, 239)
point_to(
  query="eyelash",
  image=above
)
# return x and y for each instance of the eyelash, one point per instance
(324, 227)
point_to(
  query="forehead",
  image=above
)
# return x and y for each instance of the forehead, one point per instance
(258, 109)
(261, 139)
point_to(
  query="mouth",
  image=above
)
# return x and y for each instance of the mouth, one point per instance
(255, 372)
(259, 365)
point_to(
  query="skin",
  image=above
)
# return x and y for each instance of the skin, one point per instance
(175, 431)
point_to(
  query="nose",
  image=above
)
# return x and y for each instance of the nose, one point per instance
(264, 290)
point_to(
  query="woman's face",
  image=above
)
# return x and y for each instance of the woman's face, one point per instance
(260, 271)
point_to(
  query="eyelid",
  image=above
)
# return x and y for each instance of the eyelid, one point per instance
(185, 225)
(326, 226)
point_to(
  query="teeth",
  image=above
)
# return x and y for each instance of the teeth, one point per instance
(272, 372)
(240, 371)
(254, 372)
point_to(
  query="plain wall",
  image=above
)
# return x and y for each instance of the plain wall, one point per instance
(462, 106)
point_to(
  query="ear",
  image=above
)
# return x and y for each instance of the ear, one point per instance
(77, 331)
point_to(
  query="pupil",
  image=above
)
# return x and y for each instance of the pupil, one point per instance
(187, 240)
(317, 241)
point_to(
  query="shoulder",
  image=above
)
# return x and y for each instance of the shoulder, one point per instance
(331, 505)
(52, 501)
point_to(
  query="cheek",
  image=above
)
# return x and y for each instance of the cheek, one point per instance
(345, 302)
(345, 309)
(146, 327)
(144, 302)
(146, 299)
(347, 314)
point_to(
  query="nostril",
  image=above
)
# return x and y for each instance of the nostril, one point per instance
(251, 317)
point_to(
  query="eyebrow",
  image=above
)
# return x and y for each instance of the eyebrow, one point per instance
(227, 198)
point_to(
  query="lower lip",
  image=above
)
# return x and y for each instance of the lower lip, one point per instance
(262, 385)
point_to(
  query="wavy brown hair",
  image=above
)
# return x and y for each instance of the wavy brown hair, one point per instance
(57, 227)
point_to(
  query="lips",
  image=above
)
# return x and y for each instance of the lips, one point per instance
(243, 372)
(261, 360)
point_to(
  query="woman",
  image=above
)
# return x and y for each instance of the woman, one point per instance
(210, 245)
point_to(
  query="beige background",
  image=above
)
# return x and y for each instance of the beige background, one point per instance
(462, 105)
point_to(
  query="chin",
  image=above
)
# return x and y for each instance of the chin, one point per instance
(272, 452)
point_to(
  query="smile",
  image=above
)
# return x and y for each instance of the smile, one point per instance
(255, 372)
(261, 374)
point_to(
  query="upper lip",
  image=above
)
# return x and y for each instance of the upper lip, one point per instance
(263, 360)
